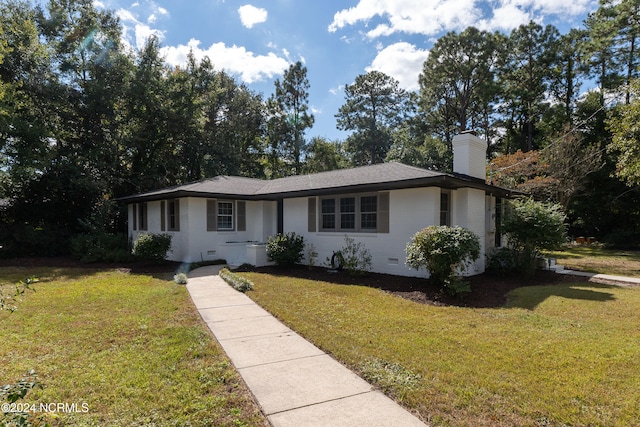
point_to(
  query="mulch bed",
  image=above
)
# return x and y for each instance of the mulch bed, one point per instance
(487, 290)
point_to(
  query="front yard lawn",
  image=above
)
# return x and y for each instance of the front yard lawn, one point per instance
(595, 259)
(126, 349)
(562, 354)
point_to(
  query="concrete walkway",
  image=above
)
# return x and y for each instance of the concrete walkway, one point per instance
(599, 278)
(294, 382)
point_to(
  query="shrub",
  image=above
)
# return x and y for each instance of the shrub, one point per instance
(238, 283)
(500, 261)
(12, 393)
(180, 279)
(285, 248)
(152, 247)
(531, 227)
(353, 257)
(442, 251)
(100, 247)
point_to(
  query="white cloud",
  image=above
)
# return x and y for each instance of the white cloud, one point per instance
(336, 90)
(251, 15)
(437, 16)
(409, 16)
(402, 61)
(141, 31)
(233, 59)
(505, 18)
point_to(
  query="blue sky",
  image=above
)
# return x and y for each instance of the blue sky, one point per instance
(256, 40)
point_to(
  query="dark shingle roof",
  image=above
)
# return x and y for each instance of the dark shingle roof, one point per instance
(365, 178)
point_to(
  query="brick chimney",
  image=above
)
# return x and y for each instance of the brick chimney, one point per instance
(470, 155)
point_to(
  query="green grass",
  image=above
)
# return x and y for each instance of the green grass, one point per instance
(131, 347)
(595, 259)
(556, 355)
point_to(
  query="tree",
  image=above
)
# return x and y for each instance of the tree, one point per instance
(565, 78)
(147, 134)
(324, 155)
(412, 147)
(289, 117)
(457, 83)
(531, 227)
(443, 251)
(623, 124)
(374, 105)
(611, 48)
(525, 75)
(569, 161)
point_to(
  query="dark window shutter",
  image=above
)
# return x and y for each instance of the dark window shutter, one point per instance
(163, 215)
(312, 215)
(135, 216)
(241, 215)
(212, 215)
(383, 212)
(177, 214)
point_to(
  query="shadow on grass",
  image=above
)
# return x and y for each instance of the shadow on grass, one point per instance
(531, 297)
(50, 268)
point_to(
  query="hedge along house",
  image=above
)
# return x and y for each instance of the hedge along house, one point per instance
(381, 205)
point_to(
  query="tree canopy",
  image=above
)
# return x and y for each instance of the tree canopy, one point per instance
(85, 120)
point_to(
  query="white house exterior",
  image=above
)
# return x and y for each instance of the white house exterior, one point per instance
(382, 206)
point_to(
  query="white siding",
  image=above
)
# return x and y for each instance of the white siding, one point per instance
(410, 210)
(194, 243)
(470, 213)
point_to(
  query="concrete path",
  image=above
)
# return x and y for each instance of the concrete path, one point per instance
(599, 278)
(294, 382)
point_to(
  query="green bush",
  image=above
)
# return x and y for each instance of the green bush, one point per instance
(353, 257)
(180, 279)
(100, 247)
(501, 261)
(532, 227)
(442, 251)
(285, 248)
(152, 247)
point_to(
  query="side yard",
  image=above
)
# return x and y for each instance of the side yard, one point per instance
(127, 349)
(555, 355)
(595, 259)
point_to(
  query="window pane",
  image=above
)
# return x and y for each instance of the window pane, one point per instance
(348, 221)
(348, 213)
(225, 208)
(444, 209)
(368, 215)
(328, 221)
(225, 223)
(348, 204)
(328, 206)
(225, 215)
(368, 204)
(369, 221)
(328, 214)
